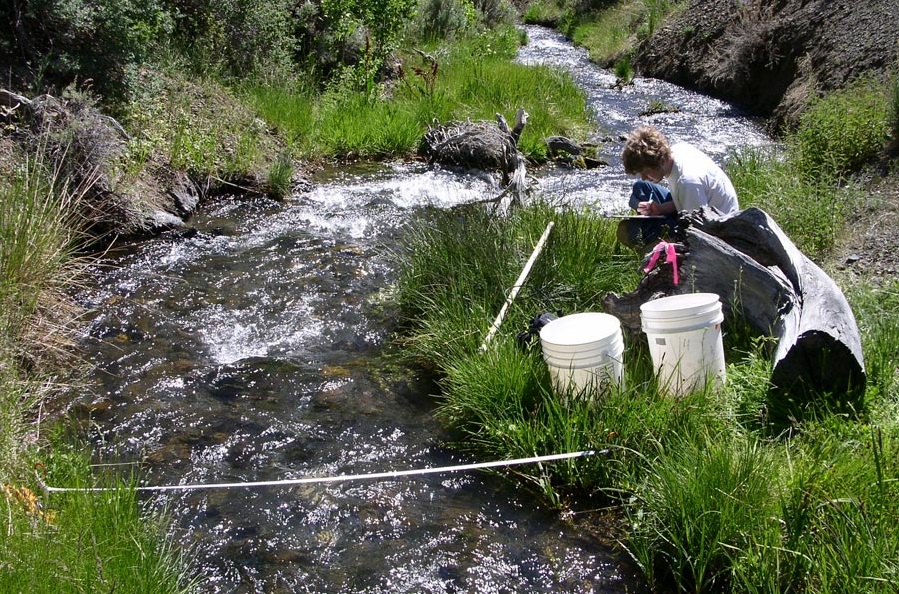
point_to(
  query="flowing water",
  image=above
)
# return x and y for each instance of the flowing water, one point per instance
(250, 348)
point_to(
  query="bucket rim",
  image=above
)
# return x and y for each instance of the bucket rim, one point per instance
(579, 329)
(605, 343)
(679, 325)
(686, 305)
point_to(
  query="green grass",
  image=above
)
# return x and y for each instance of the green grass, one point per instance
(195, 125)
(549, 13)
(609, 30)
(84, 542)
(608, 33)
(700, 499)
(843, 132)
(38, 232)
(807, 183)
(713, 499)
(473, 78)
(811, 211)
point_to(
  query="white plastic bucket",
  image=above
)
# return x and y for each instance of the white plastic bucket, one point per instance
(584, 350)
(684, 335)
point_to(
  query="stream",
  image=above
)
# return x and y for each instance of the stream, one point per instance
(250, 347)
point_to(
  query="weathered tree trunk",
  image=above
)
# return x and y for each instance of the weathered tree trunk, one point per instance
(763, 279)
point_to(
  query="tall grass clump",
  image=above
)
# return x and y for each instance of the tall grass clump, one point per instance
(83, 542)
(624, 72)
(811, 211)
(606, 34)
(700, 500)
(714, 497)
(456, 268)
(806, 184)
(875, 308)
(463, 262)
(742, 514)
(280, 177)
(549, 13)
(38, 226)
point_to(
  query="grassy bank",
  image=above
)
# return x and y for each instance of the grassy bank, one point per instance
(71, 543)
(714, 497)
(711, 498)
(607, 30)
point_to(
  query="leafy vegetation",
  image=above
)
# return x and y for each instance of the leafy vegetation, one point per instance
(474, 79)
(844, 132)
(607, 29)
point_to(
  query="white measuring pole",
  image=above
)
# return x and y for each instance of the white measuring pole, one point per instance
(514, 292)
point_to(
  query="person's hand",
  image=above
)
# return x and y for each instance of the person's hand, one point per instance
(646, 208)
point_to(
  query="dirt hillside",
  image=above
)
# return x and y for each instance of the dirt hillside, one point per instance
(768, 55)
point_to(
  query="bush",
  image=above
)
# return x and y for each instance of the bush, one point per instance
(442, 19)
(239, 37)
(64, 40)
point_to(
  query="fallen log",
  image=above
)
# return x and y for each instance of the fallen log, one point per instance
(765, 281)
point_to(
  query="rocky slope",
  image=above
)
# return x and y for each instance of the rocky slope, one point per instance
(770, 55)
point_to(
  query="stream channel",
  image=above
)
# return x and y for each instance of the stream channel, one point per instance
(249, 348)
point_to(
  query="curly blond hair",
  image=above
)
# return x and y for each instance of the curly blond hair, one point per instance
(646, 148)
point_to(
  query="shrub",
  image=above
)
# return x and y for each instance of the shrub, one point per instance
(239, 37)
(543, 12)
(68, 39)
(442, 19)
